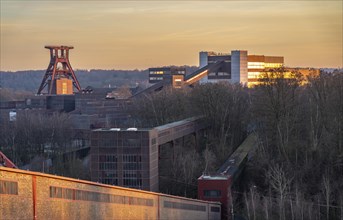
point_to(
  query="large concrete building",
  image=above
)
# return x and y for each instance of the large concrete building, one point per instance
(238, 67)
(130, 157)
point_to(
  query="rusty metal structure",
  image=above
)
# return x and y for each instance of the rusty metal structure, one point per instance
(5, 162)
(59, 76)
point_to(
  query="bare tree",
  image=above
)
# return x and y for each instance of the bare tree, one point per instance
(327, 194)
(209, 158)
(280, 183)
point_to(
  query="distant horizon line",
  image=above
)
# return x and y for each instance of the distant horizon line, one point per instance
(136, 69)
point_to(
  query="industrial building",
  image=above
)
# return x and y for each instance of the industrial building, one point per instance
(33, 195)
(237, 67)
(165, 73)
(218, 186)
(130, 157)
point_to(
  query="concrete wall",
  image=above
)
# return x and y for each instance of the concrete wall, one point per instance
(203, 61)
(16, 206)
(41, 196)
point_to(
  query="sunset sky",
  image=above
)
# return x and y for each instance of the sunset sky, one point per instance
(143, 34)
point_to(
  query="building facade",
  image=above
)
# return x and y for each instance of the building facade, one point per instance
(238, 67)
(162, 73)
(130, 157)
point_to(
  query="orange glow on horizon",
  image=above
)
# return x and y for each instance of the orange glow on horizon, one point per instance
(130, 35)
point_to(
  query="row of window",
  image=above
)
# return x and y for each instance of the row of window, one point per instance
(273, 65)
(180, 72)
(108, 158)
(155, 78)
(131, 174)
(127, 158)
(132, 178)
(262, 65)
(136, 183)
(107, 166)
(186, 206)
(256, 65)
(132, 166)
(183, 72)
(8, 187)
(120, 142)
(156, 72)
(132, 158)
(219, 74)
(75, 194)
(114, 142)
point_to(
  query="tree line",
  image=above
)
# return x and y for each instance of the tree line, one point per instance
(297, 170)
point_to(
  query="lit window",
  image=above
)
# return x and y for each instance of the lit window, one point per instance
(256, 65)
(64, 88)
(273, 65)
(253, 75)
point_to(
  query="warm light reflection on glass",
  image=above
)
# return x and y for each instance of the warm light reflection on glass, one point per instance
(255, 65)
(273, 65)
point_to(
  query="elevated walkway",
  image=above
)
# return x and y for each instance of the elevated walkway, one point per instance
(178, 129)
(202, 72)
(189, 79)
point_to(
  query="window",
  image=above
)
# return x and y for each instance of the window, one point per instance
(186, 206)
(108, 162)
(273, 65)
(83, 195)
(132, 178)
(64, 88)
(8, 187)
(256, 65)
(212, 193)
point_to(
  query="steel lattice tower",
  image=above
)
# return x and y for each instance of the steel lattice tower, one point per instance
(59, 69)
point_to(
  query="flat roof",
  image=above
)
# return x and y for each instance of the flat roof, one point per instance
(177, 123)
(158, 128)
(213, 177)
(122, 129)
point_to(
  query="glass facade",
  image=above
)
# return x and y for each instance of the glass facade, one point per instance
(258, 64)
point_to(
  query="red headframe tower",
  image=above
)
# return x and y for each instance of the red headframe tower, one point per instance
(59, 75)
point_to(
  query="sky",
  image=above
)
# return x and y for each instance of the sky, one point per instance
(141, 34)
